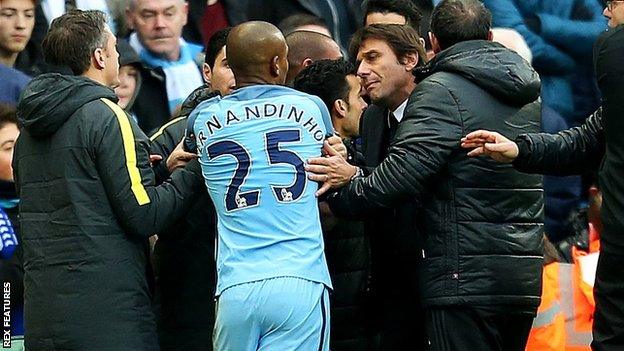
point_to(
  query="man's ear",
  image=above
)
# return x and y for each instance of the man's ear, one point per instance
(435, 44)
(410, 61)
(275, 69)
(306, 62)
(206, 73)
(99, 59)
(340, 106)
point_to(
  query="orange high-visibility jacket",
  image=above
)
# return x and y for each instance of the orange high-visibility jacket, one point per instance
(548, 332)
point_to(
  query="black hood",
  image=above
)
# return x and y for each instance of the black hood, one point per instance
(50, 99)
(500, 71)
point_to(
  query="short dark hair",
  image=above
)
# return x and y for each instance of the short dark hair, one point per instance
(73, 37)
(454, 21)
(291, 23)
(216, 42)
(326, 79)
(402, 40)
(405, 8)
(7, 115)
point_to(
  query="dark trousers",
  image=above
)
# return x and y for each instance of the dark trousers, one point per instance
(609, 295)
(470, 329)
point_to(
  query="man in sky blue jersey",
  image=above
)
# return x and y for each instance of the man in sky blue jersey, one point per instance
(272, 274)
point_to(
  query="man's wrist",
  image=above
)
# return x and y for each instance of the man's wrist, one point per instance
(357, 173)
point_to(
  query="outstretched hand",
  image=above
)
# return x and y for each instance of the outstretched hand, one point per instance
(332, 170)
(179, 158)
(495, 145)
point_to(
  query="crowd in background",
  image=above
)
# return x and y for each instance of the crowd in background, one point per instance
(169, 48)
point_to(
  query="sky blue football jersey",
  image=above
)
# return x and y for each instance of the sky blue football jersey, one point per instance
(252, 147)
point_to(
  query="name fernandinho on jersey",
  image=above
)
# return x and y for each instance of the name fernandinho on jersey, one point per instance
(267, 110)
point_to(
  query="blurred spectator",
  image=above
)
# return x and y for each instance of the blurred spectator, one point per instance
(392, 11)
(172, 70)
(129, 77)
(17, 20)
(341, 16)
(303, 21)
(512, 40)
(55, 8)
(30, 60)
(305, 47)
(347, 248)
(562, 194)
(560, 34)
(206, 17)
(11, 263)
(13, 82)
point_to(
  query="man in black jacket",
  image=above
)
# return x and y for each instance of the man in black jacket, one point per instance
(88, 200)
(184, 253)
(481, 221)
(388, 53)
(594, 145)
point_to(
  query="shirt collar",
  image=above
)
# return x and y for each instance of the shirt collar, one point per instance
(398, 113)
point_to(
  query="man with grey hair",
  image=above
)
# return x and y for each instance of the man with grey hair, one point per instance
(172, 70)
(88, 200)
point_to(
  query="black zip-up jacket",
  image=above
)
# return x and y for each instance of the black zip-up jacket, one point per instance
(184, 258)
(481, 221)
(572, 151)
(584, 148)
(88, 204)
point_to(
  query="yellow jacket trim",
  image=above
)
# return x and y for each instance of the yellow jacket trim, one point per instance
(131, 161)
(162, 129)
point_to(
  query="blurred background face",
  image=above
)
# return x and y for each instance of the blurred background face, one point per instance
(127, 84)
(384, 18)
(17, 19)
(8, 135)
(614, 11)
(158, 24)
(222, 77)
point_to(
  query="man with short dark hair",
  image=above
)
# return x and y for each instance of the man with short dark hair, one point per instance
(387, 54)
(217, 74)
(184, 253)
(347, 246)
(305, 47)
(392, 11)
(481, 222)
(87, 199)
(17, 20)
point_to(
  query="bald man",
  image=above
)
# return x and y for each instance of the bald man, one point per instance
(306, 47)
(272, 277)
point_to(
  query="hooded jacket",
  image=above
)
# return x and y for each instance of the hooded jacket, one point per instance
(88, 204)
(481, 221)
